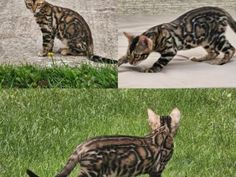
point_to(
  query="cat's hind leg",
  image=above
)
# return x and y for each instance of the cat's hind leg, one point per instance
(68, 51)
(73, 48)
(78, 49)
(211, 55)
(228, 50)
(64, 51)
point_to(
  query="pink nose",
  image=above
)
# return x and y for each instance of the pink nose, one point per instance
(133, 62)
(33, 9)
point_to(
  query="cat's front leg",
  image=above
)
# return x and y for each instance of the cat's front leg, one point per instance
(48, 41)
(122, 60)
(165, 58)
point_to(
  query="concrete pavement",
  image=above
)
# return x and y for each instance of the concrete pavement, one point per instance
(180, 72)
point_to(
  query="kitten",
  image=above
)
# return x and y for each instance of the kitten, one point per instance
(203, 26)
(126, 156)
(68, 26)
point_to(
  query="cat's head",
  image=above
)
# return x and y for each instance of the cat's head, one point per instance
(34, 5)
(139, 48)
(171, 121)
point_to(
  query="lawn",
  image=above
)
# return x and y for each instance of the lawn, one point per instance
(39, 128)
(83, 76)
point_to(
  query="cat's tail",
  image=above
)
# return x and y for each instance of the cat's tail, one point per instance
(31, 174)
(71, 163)
(100, 59)
(231, 21)
(66, 170)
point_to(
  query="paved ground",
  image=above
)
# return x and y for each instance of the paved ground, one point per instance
(163, 7)
(20, 36)
(180, 72)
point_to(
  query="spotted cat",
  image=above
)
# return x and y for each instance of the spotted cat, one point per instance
(68, 26)
(203, 26)
(126, 156)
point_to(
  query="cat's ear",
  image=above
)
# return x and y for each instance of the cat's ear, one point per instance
(175, 119)
(129, 36)
(41, 1)
(145, 42)
(153, 120)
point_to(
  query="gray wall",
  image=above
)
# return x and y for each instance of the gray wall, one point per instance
(151, 7)
(20, 36)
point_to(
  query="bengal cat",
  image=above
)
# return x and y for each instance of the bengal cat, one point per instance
(203, 26)
(68, 26)
(126, 156)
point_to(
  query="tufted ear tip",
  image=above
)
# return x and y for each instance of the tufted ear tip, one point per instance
(129, 36)
(151, 113)
(153, 119)
(175, 114)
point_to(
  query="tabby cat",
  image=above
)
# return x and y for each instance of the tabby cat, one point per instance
(68, 26)
(126, 156)
(203, 26)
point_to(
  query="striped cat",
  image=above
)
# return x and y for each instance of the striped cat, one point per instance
(126, 156)
(68, 26)
(204, 27)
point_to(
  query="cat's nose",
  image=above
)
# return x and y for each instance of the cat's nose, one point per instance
(33, 9)
(133, 62)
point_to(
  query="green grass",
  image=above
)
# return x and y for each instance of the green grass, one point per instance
(39, 129)
(83, 76)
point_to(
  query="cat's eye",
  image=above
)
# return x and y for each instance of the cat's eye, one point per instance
(29, 4)
(136, 55)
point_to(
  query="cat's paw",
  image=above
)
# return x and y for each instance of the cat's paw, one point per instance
(64, 51)
(217, 62)
(42, 54)
(195, 59)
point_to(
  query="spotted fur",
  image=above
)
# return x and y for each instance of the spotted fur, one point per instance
(126, 156)
(66, 25)
(204, 27)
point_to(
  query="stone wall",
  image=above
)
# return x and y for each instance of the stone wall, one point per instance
(151, 7)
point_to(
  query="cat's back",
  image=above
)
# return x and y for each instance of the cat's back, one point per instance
(114, 142)
(123, 141)
(63, 12)
(201, 12)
